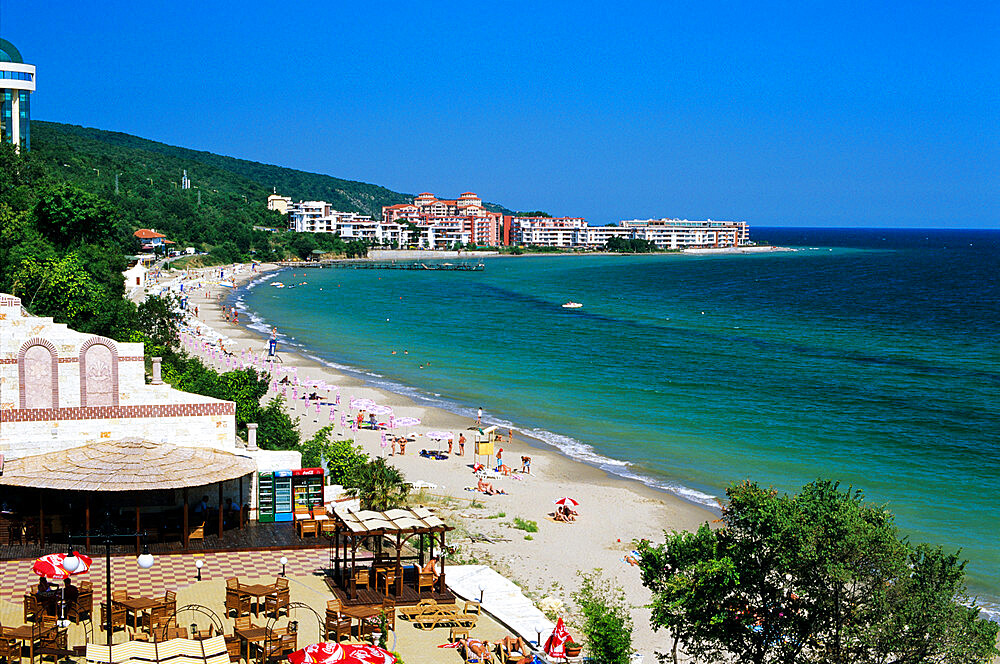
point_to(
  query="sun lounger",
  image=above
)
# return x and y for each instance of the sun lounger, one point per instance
(410, 612)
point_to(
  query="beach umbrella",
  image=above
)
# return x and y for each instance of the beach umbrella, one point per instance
(555, 645)
(380, 410)
(566, 501)
(363, 404)
(440, 435)
(51, 566)
(405, 421)
(318, 653)
(362, 653)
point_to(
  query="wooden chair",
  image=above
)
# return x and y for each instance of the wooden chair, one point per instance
(198, 532)
(234, 648)
(308, 528)
(361, 577)
(117, 616)
(274, 603)
(242, 622)
(32, 609)
(472, 607)
(425, 580)
(389, 609)
(237, 601)
(333, 605)
(169, 600)
(281, 582)
(10, 650)
(337, 627)
(388, 579)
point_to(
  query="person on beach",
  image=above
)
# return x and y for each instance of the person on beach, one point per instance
(526, 465)
(451, 442)
(479, 416)
(481, 650)
(461, 444)
(499, 458)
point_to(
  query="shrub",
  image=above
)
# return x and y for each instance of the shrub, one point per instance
(525, 525)
(607, 622)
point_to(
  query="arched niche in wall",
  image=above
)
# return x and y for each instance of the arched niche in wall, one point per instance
(38, 374)
(98, 372)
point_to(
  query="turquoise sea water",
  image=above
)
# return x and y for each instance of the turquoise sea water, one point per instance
(869, 356)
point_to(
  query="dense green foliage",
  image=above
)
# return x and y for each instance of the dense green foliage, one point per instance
(378, 485)
(622, 245)
(820, 576)
(607, 622)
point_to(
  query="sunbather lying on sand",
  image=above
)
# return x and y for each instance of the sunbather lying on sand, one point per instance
(564, 513)
(488, 489)
(479, 649)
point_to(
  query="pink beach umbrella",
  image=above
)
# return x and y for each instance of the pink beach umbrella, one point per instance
(440, 435)
(405, 421)
(363, 404)
(380, 410)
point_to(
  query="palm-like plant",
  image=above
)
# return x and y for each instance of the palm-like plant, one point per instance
(379, 486)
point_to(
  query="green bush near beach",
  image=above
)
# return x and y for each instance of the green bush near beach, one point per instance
(607, 622)
(526, 525)
(819, 576)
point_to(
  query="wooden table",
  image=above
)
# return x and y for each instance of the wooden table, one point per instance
(137, 605)
(257, 592)
(253, 634)
(361, 613)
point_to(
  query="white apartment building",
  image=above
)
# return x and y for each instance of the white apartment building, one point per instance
(682, 233)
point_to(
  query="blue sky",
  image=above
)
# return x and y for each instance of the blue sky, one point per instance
(799, 114)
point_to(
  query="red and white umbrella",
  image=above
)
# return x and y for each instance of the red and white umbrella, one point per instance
(555, 645)
(351, 653)
(51, 566)
(365, 654)
(567, 501)
(318, 653)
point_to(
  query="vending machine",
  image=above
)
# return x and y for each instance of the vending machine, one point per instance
(283, 495)
(307, 487)
(265, 497)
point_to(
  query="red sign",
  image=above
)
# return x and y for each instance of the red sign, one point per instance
(307, 471)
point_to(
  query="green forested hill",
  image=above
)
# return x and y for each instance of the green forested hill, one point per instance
(233, 191)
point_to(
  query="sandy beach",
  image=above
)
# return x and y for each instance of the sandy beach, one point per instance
(613, 512)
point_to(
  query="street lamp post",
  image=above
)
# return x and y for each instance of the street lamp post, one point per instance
(106, 535)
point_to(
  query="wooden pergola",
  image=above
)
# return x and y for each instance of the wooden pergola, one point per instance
(399, 526)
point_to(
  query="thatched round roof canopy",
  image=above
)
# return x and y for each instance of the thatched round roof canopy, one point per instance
(126, 465)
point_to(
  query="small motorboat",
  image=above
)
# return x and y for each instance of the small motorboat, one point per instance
(572, 305)
(278, 284)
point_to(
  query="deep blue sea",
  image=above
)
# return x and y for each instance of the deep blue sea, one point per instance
(867, 356)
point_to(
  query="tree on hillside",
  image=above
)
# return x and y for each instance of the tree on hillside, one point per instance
(67, 216)
(820, 576)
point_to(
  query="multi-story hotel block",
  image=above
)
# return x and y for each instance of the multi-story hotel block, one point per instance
(445, 222)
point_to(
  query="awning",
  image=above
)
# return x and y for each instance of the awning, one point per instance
(130, 464)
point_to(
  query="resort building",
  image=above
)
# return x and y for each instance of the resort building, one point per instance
(151, 240)
(82, 432)
(17, 81)
(683, 234)
(278, 203)
(443, 222)
(563, 232)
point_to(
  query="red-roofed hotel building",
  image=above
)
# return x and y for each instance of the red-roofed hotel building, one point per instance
(445, 222)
